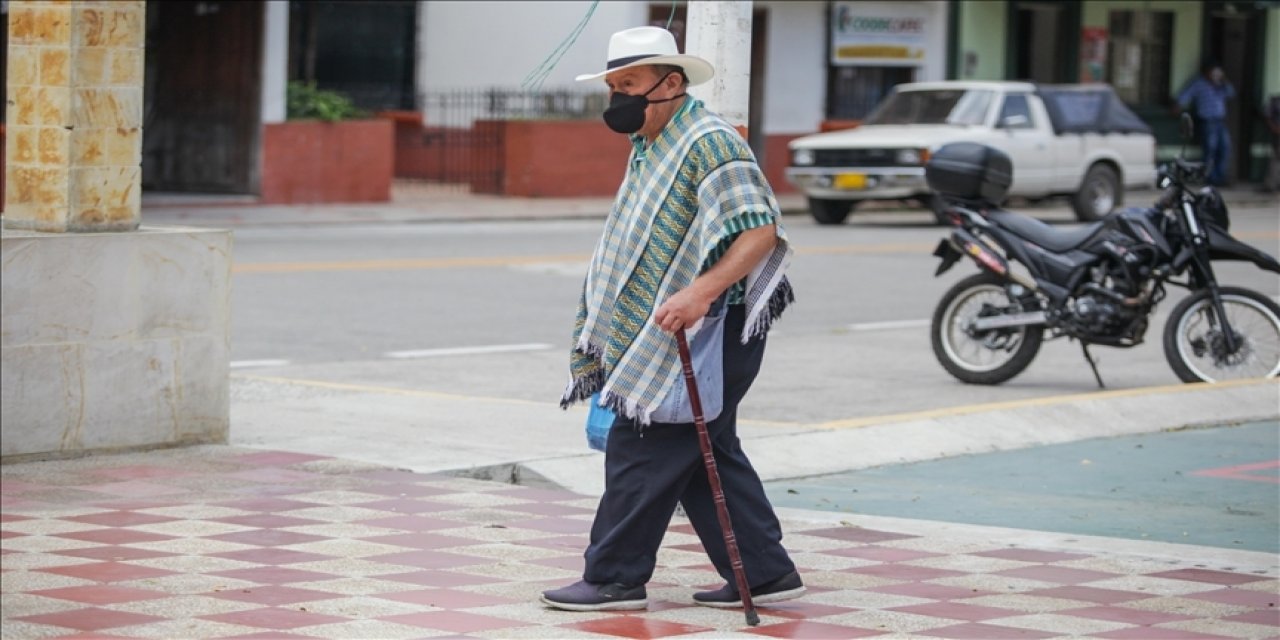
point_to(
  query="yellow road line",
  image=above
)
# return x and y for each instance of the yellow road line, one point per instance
(397, 265)
(1256, 234)
(395, 391)
(911, 247)
(854, 423)
(849, 423)
(505, 261)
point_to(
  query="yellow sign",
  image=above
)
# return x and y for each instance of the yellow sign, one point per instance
(890, 52)
(880, 33)
(850, 181)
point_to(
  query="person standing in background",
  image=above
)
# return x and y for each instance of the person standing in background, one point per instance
(1207, 96)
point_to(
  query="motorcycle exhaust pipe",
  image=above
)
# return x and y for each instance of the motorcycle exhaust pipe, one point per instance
(989, 258)
(1025, 319)
(1117, 297)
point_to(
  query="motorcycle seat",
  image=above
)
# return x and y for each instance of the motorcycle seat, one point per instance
(1051, 238)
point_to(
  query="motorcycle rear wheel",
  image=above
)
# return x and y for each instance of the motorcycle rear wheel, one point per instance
(1195, 346)
(981, 357)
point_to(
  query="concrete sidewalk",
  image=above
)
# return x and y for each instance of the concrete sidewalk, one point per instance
(298, 539)
(224, 542)
(416, 202)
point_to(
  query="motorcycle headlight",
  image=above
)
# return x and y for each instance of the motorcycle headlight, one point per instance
(912, 156)
(802, 157)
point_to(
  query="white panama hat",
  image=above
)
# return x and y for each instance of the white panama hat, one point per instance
(650, 45)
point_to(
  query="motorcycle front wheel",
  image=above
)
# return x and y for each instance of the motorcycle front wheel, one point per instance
(1196, 347)
(982, 357)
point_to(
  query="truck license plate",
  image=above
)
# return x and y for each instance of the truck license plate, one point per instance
(850, 181)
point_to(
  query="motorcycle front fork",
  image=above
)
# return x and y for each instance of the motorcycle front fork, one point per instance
(1205, 279)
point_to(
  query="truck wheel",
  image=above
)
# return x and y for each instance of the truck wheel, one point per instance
(1099, 194)
(830, 211)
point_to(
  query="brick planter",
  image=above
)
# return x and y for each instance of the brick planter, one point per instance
(308, 161)
(558, 159)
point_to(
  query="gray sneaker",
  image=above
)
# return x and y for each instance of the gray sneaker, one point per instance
(590, 596)
(785, 588)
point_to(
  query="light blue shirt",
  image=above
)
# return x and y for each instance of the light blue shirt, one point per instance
(1210, 99)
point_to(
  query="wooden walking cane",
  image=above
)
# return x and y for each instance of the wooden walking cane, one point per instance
(713, 477)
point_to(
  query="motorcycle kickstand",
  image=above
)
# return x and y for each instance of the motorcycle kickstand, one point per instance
(1084, 346)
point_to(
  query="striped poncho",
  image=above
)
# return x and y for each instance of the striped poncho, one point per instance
(684, 199)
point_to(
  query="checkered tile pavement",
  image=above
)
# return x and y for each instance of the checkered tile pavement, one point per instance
(221, 542)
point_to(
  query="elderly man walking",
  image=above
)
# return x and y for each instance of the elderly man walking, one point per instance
(694, 235)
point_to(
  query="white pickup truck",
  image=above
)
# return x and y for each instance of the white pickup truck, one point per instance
(1079, 141)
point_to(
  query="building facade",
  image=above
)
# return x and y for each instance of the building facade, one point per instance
(217, 70)
(1149, 50)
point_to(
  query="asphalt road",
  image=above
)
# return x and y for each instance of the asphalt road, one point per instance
(484, 309)
(442, 347)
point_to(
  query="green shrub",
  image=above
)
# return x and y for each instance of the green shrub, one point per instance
(305, 101)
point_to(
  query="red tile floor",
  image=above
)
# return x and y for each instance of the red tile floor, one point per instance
(220, 542)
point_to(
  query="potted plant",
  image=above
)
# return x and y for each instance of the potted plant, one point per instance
(327, 151)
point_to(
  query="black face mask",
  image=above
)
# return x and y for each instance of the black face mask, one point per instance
(626, 112)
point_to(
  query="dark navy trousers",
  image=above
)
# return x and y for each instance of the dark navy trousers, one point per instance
(1216, 141)
(649, 470)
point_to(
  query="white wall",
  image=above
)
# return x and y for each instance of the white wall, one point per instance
(498, 43)
(935, 63)
(795, 66)
(474, 45)
(796, 62)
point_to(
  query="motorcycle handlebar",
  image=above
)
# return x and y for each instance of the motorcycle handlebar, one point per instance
(1167, 200)
(1173, 178)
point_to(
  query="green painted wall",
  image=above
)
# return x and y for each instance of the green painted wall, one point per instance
(982, 38)
(1186, 31)
(1271, 71)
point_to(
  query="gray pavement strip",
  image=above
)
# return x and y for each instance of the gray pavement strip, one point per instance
(931, 435)
(963, 534)
(476, 208)
(1213, 486)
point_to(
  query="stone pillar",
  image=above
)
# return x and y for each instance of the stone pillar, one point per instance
(111, 341)
(74, 132)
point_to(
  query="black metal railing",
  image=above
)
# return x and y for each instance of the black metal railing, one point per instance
(459, 144)
(462, 107)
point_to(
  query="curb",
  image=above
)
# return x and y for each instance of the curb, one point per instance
(903, 438)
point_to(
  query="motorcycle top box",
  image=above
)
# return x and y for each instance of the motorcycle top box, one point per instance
(970, 171)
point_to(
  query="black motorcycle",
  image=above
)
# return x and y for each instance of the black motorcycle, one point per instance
(1099, 283)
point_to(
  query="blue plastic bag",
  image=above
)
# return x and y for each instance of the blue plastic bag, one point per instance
(599, 422)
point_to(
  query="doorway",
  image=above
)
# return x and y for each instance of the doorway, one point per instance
(1043, 42)
(364, 49)
(1235, 35)
(201, 96)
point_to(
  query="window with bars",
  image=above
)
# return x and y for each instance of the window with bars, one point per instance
(1141, 48)
(854, 91)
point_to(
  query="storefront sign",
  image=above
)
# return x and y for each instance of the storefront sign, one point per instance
(874, 33)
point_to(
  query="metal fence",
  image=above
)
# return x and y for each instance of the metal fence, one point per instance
(459, 145)
(461, 108)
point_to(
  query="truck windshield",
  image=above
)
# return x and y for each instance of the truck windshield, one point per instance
(944, 106)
